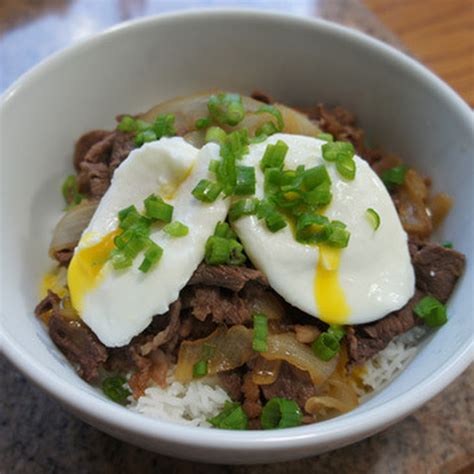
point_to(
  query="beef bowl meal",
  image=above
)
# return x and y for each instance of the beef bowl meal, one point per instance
(230, 264)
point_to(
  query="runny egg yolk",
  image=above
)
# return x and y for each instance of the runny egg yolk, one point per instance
(54, 281)
(330, 298)
(85, 268)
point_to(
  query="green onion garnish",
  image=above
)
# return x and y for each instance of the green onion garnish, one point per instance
(266, 130)
(432, 311)
(394, 176)
(203, 123)
(327, 137)
(215, 135)
(113, 388)
(236, 253)
(275, 221)
(326, 346)
(200, 368)
(338, 235)
(207, 191)
(280, 413)
(273, 110)
(245, 181)
(145, 137)
(319, 196)
(157, 209)
(346, 168)
(312, 228)
(120, 260)
(447, 244)
(337, 151)
(226, 109)
(70, 192)
(217, 250)
(152, 256)
(163, 126)
(127, 124)
(337, 331)
(232, 417)
(241, 208)
(260, 333)
(128, 217)
(373, 217)
(223, 230)
(316, 176)
(176, 229)
(274, 155)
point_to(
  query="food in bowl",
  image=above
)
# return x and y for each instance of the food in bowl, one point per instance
(229, 261)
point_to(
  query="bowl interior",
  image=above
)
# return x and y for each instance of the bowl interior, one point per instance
(401, 106)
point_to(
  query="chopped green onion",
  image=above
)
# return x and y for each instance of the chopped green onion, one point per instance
(113, 388)
(226, 108)
(217, 250)
(266, 130)
(207, 191)
(214, 166)
(152, 257)
(120, 260)
(394, 176)
(128, 217)
(236, 253)
(215, 135)
(232, 417)
(275, 221)
(127, 124)
(258, 138)
(337, 151)
(70, 192)
(280, 413)
(245, 181)
(243, 207)
(319, 196)
(145, 137)
(314, 177)
(176, 229)
(447, 244)
(200, 368)
(312, 228)
(327, 137)
(274, 155)
(337, 331)
(273, 110)
(272, 180)
(203, 123)
(373, 218)
(260, 333)
(223, 230)
(163, 126)
(338, 236)
(156, 208)
(432, 311)
(346, 167)
(326, 346)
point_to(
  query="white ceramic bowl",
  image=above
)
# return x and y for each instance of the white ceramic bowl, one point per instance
(402, 106)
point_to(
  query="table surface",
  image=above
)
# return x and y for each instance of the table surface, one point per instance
(38, 436)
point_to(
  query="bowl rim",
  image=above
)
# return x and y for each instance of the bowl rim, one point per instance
(119, 419)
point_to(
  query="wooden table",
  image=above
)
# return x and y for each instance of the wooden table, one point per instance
(38, 436)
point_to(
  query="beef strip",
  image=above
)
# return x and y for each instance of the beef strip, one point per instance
(224, 306)
(79, 344)
(84, 144)
(121, 148)
(437, 268)
(262, 97)
(231, 382)
(252, 405)
(226, 276)
(292, 383)
(365, 340)
(49, 303)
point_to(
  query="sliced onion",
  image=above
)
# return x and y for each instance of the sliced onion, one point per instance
(314, 405)
(265, 371)
(190, 108)
(69, 229)
(232, 349)
(440, 205)
(267, 303)
(286, 347)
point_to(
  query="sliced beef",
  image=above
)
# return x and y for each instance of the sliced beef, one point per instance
(121, 148)
(365, 340)
(292, 383)
(223, 306)
(262, 97)
(226, 276)
(49, 303)
(437, 268)
(79, 344)
(231, 382)
(85, 143)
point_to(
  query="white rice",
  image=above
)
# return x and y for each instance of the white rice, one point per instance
(190, 404)
(194, 403)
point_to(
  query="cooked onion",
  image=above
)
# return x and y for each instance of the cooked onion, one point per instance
(69, 229)
(314, 405)
(233, 348)
(265, 371)
(440, 205)
(190, 108)
(268, 304)
(286, 347)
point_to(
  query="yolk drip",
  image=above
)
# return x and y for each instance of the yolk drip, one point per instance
(332, 305)
(54, 281)
(85, 268)
(168, 191)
